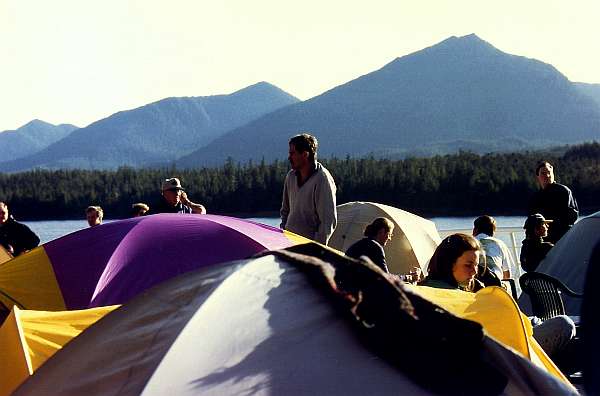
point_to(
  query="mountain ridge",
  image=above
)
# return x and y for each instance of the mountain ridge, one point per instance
(158, 131)
(461, 89)
(31, 138)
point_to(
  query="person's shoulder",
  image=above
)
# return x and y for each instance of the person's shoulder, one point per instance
(560, 187)
(16, 224)
(324, 173)
(498, 241)
(438, 284)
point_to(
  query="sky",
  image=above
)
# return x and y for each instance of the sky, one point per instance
(78, 61)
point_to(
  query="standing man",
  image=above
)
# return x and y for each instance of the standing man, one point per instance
(554, 201)
(15, 237)
(175, 200)
(308, 205)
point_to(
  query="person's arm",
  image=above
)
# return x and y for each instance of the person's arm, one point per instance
(196, 208)
(30, 239)
(572, 211)
(326, 209)
(285, 205)
(506, 261)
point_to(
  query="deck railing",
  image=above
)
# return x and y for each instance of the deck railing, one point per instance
(512, 236)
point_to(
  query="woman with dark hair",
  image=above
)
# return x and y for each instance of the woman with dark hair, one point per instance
(454, 264)
(377, 234)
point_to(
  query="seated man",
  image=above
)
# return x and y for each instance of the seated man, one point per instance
(15, 237)
(535, 247)
(175, 200)
(497, 255)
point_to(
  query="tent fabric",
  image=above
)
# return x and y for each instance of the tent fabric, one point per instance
(4, 255)
(29, 338)
(30, 282)
(189, 336)
(569, 259)
(499, 315)
(412, 245)
(113, 262)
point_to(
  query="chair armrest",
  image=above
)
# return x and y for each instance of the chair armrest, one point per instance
(513, 287)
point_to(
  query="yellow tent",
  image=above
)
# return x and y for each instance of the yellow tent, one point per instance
(29, 338)
(4, 255)
(499, 314)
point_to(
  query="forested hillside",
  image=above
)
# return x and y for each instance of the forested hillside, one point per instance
(461, 184)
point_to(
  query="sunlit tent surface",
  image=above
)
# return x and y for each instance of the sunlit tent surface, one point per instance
(111, 263)
(412, 245)
(568, 260)
(500, 316)
(255, 326)
(28, 338)
(4, 255)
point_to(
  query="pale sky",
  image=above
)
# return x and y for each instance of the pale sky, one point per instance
(78, 61)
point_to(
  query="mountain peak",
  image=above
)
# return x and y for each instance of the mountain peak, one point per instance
(470, 42)
(35, 123)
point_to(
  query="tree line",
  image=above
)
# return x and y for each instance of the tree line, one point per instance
(449, 185)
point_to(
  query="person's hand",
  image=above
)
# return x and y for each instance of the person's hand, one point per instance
(416, 273)
(184, 198)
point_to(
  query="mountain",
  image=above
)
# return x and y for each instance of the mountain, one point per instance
(460, 93)
(31, 138)
(591, 90)
(157, 132)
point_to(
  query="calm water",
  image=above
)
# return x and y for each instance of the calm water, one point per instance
(49, 230)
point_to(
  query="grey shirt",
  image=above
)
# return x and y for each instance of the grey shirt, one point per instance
(309, 210)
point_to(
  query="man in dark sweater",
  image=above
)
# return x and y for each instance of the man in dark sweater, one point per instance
(15, 237)
(554, 201)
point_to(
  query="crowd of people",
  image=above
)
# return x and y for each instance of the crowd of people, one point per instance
(308, 208)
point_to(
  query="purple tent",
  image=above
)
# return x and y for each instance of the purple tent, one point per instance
(113, 262)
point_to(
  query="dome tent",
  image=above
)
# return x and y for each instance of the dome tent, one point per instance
(412, 245)
(113, 262)
(569, 259)
(301, 331)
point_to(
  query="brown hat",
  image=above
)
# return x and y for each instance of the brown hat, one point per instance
(171, 184)
(535, 220)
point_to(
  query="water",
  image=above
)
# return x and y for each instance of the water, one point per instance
(50, 230)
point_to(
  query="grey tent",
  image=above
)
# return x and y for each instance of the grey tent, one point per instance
(286, 323)
(569, 259)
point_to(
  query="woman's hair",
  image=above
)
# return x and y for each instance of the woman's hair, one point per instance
(446, 254)
(139, 209)
(379, 223)
(97, 209)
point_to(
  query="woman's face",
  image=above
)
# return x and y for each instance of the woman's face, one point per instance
(384, 236)
(465, 267)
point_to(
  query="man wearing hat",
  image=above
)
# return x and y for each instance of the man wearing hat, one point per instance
(554, 201)
(175, 200)
(535, 248)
